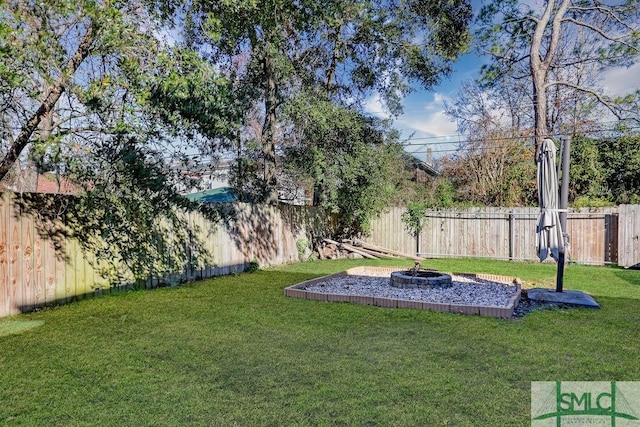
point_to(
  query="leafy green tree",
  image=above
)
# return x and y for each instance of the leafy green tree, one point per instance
(64, 66)
(605, 170)
(251, 41)
(587, 174)
(347, 157)
(341, 51)
(382, 47)
(621, 159)
(88, 89)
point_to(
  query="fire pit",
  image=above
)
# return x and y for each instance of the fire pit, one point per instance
(470, 293)
(419, 277)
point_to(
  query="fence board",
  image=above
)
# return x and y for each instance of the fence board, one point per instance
(15, 272)
(5, 302)
(629, 232)
(500, 233)
(28, 296)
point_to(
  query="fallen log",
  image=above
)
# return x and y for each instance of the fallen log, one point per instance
(351, 249)
(378, 254)
(369, 246)
(370, 251)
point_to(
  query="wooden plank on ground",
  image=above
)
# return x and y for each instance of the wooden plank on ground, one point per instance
(350, 248)
(387, 251)
(378, 254)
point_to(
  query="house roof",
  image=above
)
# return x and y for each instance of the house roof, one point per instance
(32, 182)
(423, 166)
(47, 183)
(215, 195)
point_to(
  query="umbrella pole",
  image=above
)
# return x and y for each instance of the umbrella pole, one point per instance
(564, 201)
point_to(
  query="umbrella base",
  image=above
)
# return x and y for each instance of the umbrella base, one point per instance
(576, 298)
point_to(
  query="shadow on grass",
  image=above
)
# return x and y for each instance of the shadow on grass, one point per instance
(12, 327)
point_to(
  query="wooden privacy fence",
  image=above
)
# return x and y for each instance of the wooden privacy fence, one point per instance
(510, 233)
(37, 269)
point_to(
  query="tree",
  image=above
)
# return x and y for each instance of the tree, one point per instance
(490, 167)
(65, 69)
(341, 51)
(346, 157)
(250, 41)
(493, 170)
(359, 49)
(557, 41)
(605, 169)
(382, 47)
(621, 155)
(588, 178)
(87, 88)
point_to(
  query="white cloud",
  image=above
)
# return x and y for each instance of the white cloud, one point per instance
(431, 123)
(429, 119)
(621, 80)
(376, 107)
(438, 98)
(424, 120)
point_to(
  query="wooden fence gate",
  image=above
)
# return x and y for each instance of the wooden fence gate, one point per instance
(628, 232)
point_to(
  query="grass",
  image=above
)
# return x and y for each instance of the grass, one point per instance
(234, 351)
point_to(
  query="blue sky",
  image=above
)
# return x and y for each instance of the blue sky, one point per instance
(427, 125)
(424, 119)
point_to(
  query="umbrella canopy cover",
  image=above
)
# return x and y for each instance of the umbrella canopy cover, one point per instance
(549, 232)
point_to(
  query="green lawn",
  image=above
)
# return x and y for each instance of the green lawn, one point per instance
(234, 351)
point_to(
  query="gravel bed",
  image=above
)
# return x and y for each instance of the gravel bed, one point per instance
(463, 291)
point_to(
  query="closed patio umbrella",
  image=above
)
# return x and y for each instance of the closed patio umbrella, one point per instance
(550, 239)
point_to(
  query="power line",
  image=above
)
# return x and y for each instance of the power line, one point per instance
(468, 140)
(459, 146)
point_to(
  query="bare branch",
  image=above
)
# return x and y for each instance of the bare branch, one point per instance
(605, 11)
(602, 34)
(555, 33)
(59, 123)
(602, 99)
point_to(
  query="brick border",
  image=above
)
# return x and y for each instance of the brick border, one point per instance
(299, 291)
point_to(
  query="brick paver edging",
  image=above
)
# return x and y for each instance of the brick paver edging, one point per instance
(299, 291)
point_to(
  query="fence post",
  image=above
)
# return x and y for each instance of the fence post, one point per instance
(512, 235)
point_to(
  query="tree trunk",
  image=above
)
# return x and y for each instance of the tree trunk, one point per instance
(331, 72)
(540, 61)
(539, 76)
(240, 173)
(318, 194)
(50, 99)
(540, 109)
(269, 132)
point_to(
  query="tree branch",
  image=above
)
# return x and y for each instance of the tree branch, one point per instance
(602, 99)
(555, 33)
(604, 11)
(50, 100)
(602, 34)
